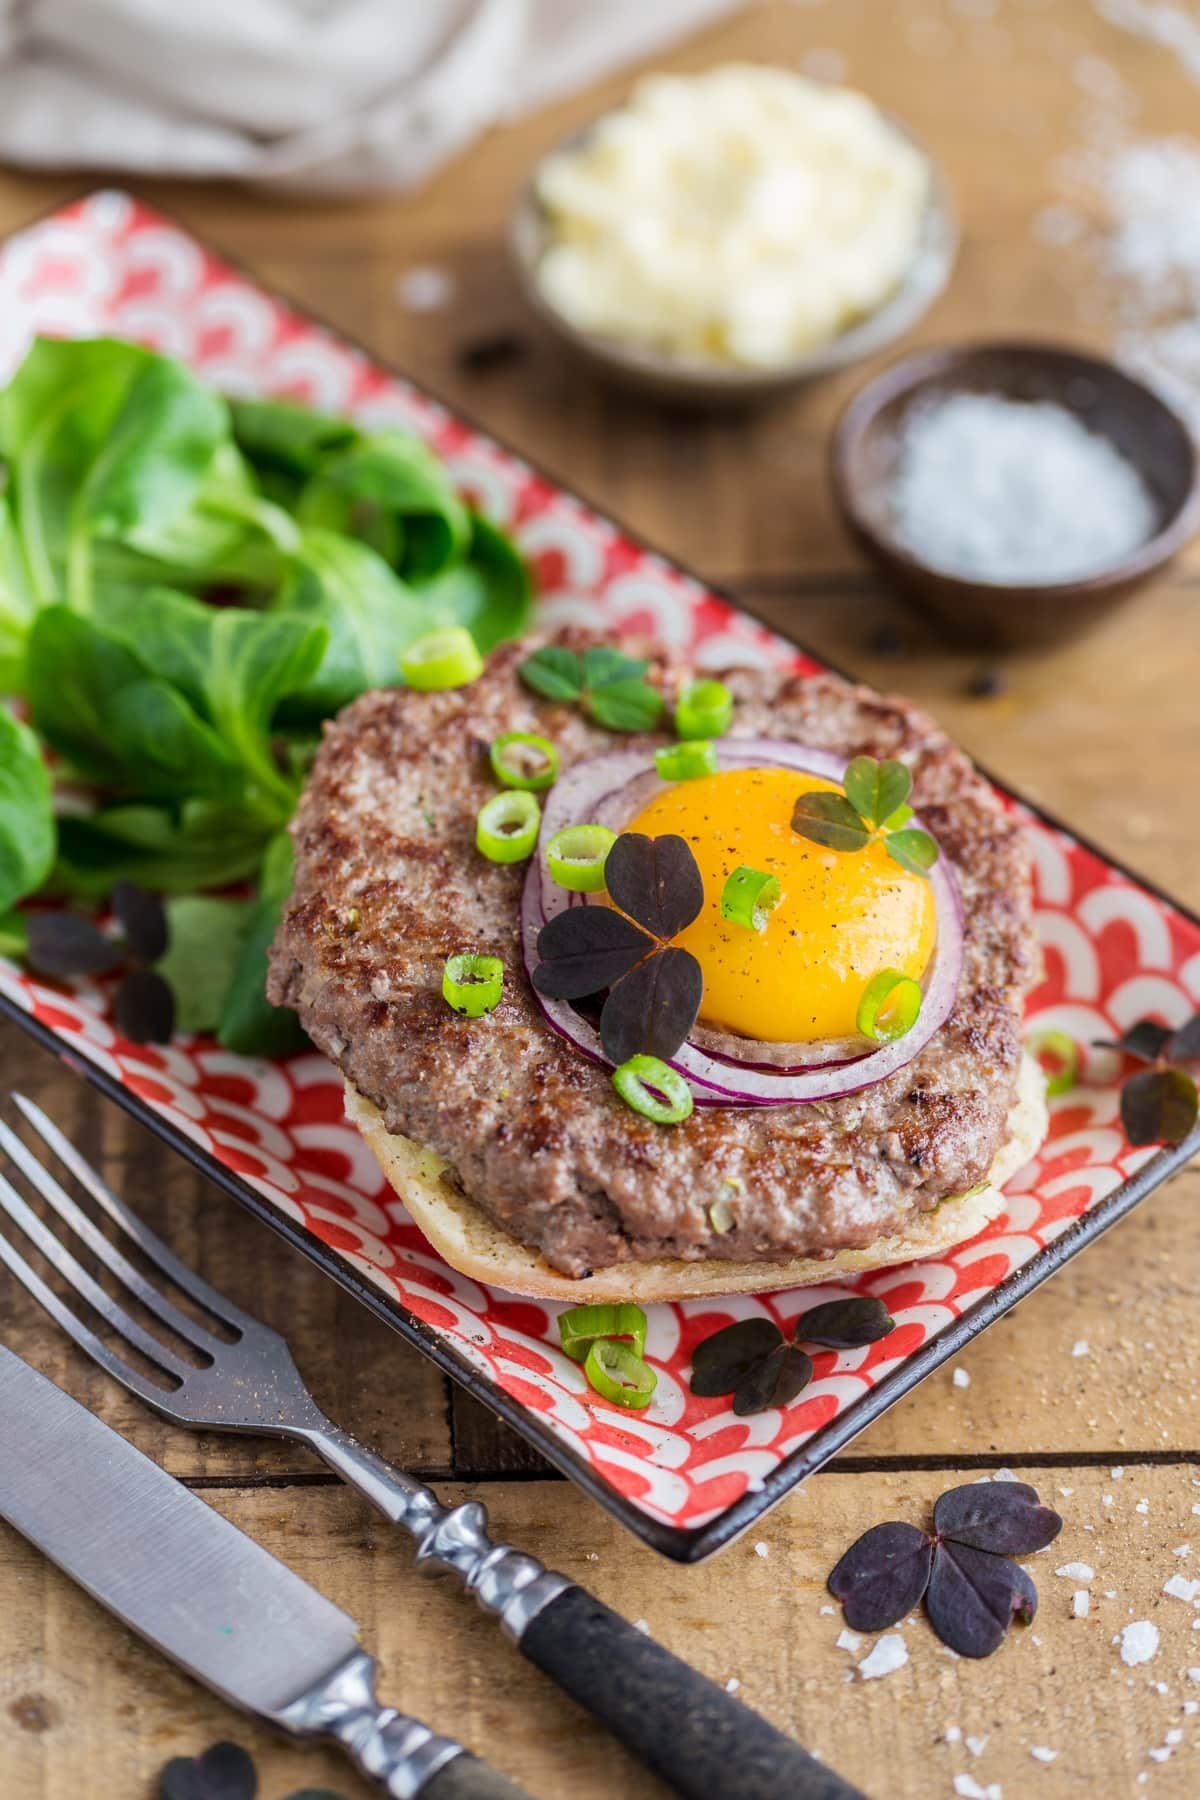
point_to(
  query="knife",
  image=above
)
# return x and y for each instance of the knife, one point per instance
(206, 1595)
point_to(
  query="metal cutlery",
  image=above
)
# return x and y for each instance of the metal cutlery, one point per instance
(679, 1723)
(212, 1599)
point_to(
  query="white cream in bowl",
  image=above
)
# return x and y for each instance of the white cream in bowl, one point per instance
(745, 216)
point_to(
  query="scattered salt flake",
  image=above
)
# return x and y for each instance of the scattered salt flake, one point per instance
(1066, 1492)
(1194, 1674)
(1081, 1600)
(425, 289)
(953, 1733)
(961, 1378)
(1191, 1706)
(761, 1549)
(1159, 1687)
(828, 1609)
(1139, 1642)
(849, 1640)
(1005, 1475)
(1080, 1347)
(1182, 1550)
(889, 1654)
(1196, 1510)
(1174, 1736)
(1059, 225)
(1180, 1588)
(732, 1685)
(1035, 1639)
(1042, 1754)
(1106, 1499)
(1143, 1506)
(1161, 1753)
(1116, 1473)
(976, 1745)
(969, 1788)
(1110, 1593)
(642, 1626)
(1077, 1571)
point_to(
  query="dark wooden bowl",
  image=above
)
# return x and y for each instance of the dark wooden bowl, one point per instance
(865, 452)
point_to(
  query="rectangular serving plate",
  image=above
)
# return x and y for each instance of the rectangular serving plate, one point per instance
(687, 1476)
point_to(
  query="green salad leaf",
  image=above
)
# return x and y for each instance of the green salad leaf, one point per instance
(204, 943)
(280, 434)
(232, 665)
(189, 587)
(100, 437)
(249, 1024)
(115, 721)
(489, 591)
(198, 843)
(368, 613)
(26, 817)
(389, 490)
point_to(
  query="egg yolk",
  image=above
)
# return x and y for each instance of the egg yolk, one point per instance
(843, 915)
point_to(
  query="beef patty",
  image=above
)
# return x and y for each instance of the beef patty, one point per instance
(389, 884)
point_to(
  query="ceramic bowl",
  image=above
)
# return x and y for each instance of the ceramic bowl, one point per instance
(710, 384)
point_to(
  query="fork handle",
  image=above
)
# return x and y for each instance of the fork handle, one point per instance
(674, 1719)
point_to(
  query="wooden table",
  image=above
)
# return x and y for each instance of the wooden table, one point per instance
(1089, 1390)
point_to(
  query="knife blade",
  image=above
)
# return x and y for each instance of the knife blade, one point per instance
(205, 1594)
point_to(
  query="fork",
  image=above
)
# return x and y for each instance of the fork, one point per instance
(695, 1735)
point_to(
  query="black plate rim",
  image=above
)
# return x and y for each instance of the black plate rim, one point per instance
(683, 1544)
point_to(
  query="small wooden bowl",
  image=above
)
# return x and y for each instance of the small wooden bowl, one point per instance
(865, 453)
(693, 382)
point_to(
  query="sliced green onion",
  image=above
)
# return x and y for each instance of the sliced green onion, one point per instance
(748, 898)
(686, 762)
(442, 659)
(705, 710)
(579, 1328)
(507, 826)
(520, 759)
(618, 1374)
(472, 984)
(1058, 1055)
(653, 1089)
(576, 855)
(889, 1007)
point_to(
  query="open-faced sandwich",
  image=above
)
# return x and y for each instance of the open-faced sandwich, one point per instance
(646, 986)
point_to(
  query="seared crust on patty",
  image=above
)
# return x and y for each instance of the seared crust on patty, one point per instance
(388, 884)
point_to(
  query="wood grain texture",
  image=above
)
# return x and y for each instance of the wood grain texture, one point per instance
(77, 1692)
(1101, 732)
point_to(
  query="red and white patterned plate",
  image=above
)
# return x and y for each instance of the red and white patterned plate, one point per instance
(686, 1475)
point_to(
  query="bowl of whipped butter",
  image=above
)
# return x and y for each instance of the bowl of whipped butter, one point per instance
(721, 237)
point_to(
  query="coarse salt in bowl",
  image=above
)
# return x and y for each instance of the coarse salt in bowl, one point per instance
(1015, 492)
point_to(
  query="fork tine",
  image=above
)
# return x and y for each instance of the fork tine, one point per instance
(184, 1278)
(109, 1255)
(55, 1252)
(82, 1334)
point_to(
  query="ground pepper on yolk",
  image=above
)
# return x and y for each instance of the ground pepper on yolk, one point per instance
(844, 915)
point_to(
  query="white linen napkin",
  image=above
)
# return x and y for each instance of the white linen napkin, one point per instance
(311, 95)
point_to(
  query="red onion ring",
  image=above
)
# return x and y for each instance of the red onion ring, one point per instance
(586, 789)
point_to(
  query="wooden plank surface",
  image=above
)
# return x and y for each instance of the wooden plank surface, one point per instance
(1102, 732)
(76, 1692)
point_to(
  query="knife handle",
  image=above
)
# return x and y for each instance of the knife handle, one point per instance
(406, 1758)
(698, 1737)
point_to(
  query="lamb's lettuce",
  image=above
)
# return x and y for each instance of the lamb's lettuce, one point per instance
(188, 587)
(26, 818)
